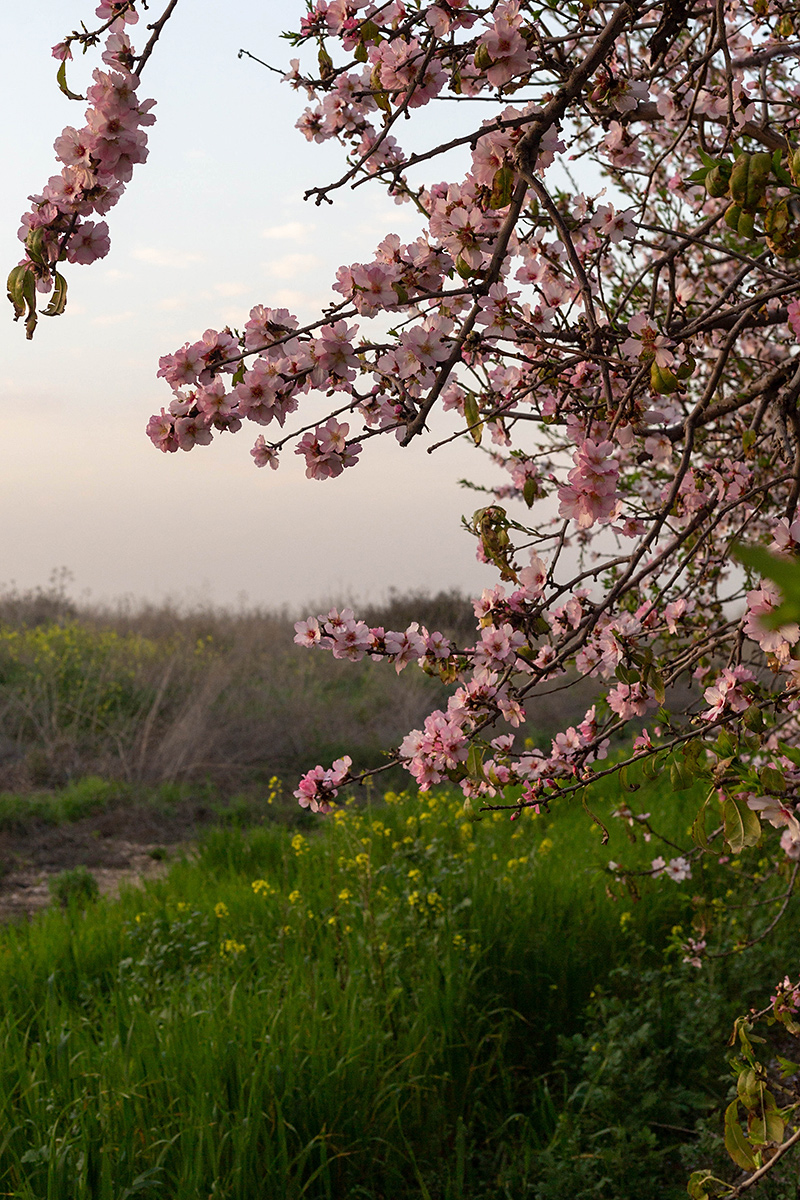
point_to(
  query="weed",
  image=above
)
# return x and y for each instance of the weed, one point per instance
(75, 888)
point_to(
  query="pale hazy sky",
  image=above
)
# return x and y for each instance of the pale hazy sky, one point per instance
(211, 225)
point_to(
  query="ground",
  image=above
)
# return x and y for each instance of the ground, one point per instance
(118, 845)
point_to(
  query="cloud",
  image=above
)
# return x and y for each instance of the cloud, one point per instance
(113, 318)
(297, 231)
(165, 258)
(230, 289)
(292, 266)
(289, 298)
(170, 303)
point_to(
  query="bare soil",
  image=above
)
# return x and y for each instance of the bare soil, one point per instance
(119, 845)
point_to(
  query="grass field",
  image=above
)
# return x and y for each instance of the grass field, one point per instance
(394, 1003)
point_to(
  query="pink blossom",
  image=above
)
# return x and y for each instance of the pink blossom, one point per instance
(89, 242)
(793, 316)
(318, 787)
(761, 601)
(262, 453)
(678, 869)
(161, 431)
(590, 494)
(403, 648)
(630, 700)
(192, 431)
(772, 809)
(650, 345)
(326, 451)
(726, 692)
(307, 633)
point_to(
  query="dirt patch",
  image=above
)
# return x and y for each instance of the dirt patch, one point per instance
(128, 844)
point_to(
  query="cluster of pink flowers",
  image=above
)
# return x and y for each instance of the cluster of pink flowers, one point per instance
(98, 161)
(590, 494)
(727, 692)
(319, 787)
(286, 367)
(346, 637)
(761, 601)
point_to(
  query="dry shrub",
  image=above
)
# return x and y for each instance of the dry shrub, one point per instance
(155, 693)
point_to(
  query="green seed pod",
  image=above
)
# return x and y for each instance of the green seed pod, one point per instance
(502, 188)
(687, 367)
(463, 268)
(741, 169)
(483, 59)
(662, 380)
(782, 225)
(718, 179)
(794, 167)
(757, 180)
(747, 224)
(732, 217)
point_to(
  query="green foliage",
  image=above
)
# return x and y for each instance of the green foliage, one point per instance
(81, 798)
(394, 1002)
(74, 888)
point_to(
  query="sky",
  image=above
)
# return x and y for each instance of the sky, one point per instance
(213, 223)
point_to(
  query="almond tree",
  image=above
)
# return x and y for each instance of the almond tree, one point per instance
(625, 354)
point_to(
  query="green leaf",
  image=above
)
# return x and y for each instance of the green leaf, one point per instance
(650, 767)
(16, 289)
(698, 830)
(34, 244)
(753, 719)
(623, 779)
(58, 300)
(726, 745)
(772, 780)
(767, 1127)
(502, 188)
(779, 171)
(681, 776)
(656, 681)
(791, 752)
(370, 32)
(741, 826)
(787, 1067)
(703, 1185)
(785, 572)
(707, 160)
(325, 63)
(735, 1141)
(749, 1088)
(530, 491)
(475, 763)
(473, 417)
(61, 80)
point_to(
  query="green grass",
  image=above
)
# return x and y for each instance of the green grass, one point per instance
(20, 810)
(399, 1003)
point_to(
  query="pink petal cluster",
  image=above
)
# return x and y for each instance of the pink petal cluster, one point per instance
(591, 492)
(318, 788)
(98, 161)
